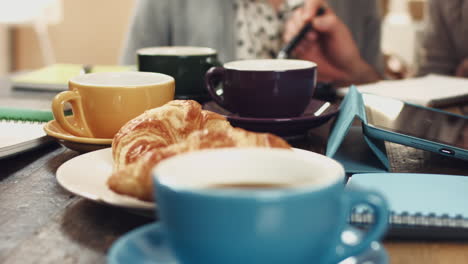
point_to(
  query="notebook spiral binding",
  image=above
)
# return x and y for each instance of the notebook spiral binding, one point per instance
(414, 220)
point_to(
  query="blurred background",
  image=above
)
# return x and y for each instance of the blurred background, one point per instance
(92, 32)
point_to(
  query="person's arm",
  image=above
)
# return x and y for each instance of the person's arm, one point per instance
(438, 51)
(331, 46)
(149, 26)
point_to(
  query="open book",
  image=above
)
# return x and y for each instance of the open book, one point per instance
(22, 130)
(431, 90)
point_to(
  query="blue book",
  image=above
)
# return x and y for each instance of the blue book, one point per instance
(424, 206)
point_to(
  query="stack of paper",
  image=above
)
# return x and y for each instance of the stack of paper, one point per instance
(431, 90)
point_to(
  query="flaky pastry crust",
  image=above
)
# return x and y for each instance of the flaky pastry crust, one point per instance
(161, 127)
(135, 179)
(179, 126)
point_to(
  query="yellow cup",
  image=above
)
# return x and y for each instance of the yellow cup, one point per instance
(103, 102)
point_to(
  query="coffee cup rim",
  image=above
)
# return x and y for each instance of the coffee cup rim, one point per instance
(85, 80)
(203, 51)
(161, 173)
(299, 65)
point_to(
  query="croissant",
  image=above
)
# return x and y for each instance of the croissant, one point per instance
(161, 127)
(135, 179)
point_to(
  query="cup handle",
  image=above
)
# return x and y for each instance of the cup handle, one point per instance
(212, 75)
(74, 98)
(379, 206)
(213, 62)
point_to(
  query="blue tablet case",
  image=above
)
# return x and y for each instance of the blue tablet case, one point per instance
(424, 206)
(347, 144)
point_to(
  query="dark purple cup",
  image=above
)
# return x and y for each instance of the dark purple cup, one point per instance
(263, 88)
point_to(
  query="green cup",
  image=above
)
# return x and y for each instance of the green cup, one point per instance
(187, 65)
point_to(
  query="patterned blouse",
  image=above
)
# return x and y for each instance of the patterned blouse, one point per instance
(259, 28)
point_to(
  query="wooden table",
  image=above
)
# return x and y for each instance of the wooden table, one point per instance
(43, 223)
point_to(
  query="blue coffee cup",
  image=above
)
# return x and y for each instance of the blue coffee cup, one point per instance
(259, 205)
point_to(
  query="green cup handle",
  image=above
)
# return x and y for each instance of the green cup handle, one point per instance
(213, 62)
(377, 203)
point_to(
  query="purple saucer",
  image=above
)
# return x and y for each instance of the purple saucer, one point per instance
(317, 113)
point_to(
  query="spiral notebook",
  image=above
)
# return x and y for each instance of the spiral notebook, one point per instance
(22, 130)
(424, 206)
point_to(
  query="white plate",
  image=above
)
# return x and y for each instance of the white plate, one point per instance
(86, 176)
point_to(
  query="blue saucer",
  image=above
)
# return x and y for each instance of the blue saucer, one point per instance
(147, 245)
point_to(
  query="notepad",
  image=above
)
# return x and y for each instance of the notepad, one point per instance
(56, 76)
(432, 90)
(22, 130)
(424, 206)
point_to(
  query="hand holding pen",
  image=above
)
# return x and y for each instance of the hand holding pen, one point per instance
(285, 52)
(330, 45)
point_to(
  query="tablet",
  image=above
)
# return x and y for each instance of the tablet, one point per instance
(416, 126)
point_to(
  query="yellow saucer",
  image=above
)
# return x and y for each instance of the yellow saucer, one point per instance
(81, 144)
